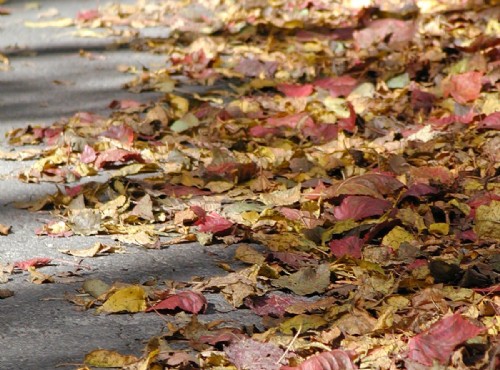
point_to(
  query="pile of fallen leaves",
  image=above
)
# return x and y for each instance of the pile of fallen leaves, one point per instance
(358, 145)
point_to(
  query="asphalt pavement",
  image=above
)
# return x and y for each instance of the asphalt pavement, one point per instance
(49, 79)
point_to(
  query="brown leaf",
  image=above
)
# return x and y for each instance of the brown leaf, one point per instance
(373, 184)
(307, 280)
(5, 229)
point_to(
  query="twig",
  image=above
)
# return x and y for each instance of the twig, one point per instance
(290, 345)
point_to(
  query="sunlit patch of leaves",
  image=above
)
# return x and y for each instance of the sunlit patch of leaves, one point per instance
(359, 147)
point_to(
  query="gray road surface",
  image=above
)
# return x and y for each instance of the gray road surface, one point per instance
(39, 329)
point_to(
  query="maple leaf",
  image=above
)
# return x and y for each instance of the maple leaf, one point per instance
(332, 360)
(359, 207)
(189, 301)
(213, 223)
(439, 341)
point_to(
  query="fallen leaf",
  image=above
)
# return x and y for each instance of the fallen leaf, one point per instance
(295, 91)
(272, 304)
(359, 207)
(349, 246)
(188, 301)
(487, 221)
(463, 87)
(33, 262)
(333, 360)
(106, 358)
(374, 185)
(4, 229)
(95, 250)
(6, 293)
(253, 355)
(37, 277)
(213, 223)
(129, 299)
(307, 280)
(439, 341)
(282, 197)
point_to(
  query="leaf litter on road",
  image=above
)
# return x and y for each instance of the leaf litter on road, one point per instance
(358, 146)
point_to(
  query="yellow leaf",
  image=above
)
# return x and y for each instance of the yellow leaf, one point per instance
(439, 228)
(248, 254)
(282, 197)
(96, 249)
(128, 299)
(302, 323)
(488, 221)
(397, 236)
(59, 23)
(108, 359)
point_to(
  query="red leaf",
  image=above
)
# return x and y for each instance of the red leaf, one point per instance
(422, 100)
(33, 262)
(348, 246)
(124, 104)
(87, 15)
(73, 191)
(440, 340)
(454, 118)
(117, 155)
(349, 123)
(122, 133)
(333, 360)
(295, 91)
(213, 223)
(491, 121)
(292, 121)
(359, 207)
(199, 212)
(187, 301)
(337, 86)
(479, 200)
(88, 155)
(262, 131)
(417, 190)
(372, 184)
(463, 87)
(322, 132)
(272, 304)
